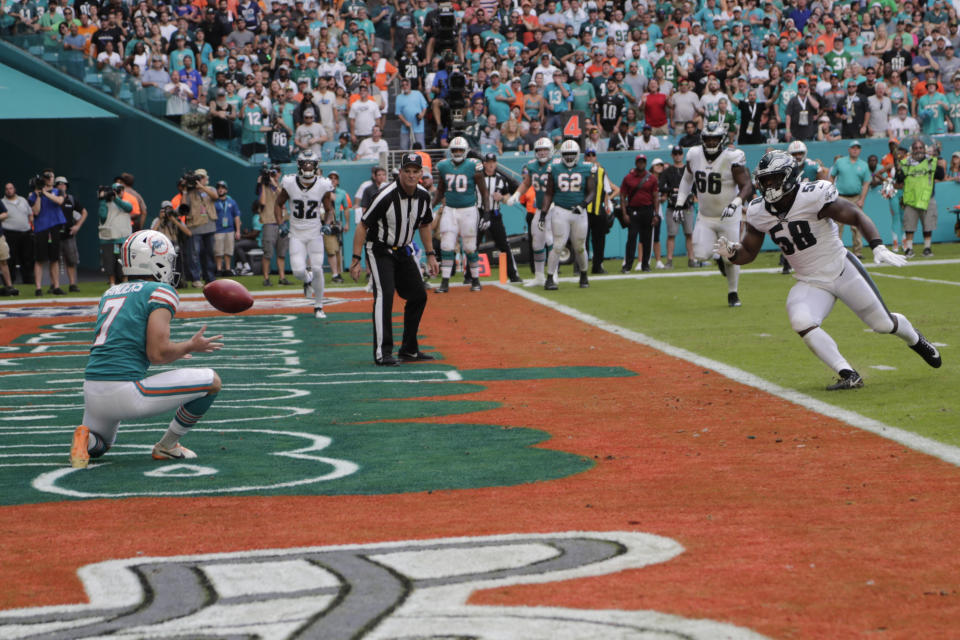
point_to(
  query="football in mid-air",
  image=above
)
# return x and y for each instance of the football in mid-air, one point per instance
(228, 296)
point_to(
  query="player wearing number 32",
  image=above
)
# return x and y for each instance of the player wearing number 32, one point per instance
(802, 218)
(571, 186)
(306, 192)
(133, 332)
(722, 182)
(460, 179)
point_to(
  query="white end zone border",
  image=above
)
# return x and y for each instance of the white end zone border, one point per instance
(945, 452)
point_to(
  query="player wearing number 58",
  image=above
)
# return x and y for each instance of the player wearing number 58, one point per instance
(802, 218)
(132, 333)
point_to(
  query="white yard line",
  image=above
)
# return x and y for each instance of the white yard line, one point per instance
(945, 452)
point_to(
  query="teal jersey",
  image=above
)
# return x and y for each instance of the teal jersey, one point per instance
(119, 350)
(932, 114)
(570, 183)
(953, 99)
(252, 128)
(539, 174)
(460, 182)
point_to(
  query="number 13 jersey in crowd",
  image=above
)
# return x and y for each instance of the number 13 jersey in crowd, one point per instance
(306, 203)
(810, 243)
(713, 179)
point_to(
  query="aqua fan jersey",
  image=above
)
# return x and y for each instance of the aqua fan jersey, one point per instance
(570, 184)
(460, 182)
(119, 350)
(539, 174)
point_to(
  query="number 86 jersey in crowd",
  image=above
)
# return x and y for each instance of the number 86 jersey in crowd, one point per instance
(810, 243)
(306, 203)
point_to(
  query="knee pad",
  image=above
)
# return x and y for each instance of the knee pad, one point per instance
(448, 241)
(469, 244)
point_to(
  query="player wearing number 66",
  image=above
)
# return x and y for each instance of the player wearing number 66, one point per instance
(802, 218)
(132, 333)
(311, 211)
(720, 177)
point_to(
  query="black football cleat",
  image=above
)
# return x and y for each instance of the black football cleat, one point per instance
(475, 284)
(927, 351)
(733, 299)
(584, 282)
(419, 356)
(550, 284)
(444, 286)
(387, 361)
(849, 379)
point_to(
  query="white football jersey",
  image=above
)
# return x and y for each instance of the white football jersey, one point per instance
(713, 180)
(306, 205)
(811, 244)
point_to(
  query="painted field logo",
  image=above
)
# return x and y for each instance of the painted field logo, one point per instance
(392, 591)
(301, 412)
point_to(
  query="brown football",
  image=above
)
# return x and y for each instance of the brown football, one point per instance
(228, 296)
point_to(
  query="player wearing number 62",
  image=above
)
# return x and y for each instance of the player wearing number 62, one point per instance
(571, 187)
(307, 192)
(802, 218)
(133, 332)
(719, 176)
(460, 179)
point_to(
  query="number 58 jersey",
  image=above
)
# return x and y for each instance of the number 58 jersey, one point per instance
(810, 243)
(713, 179)
(306, 204)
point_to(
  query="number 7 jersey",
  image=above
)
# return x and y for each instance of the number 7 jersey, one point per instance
(306, 204)
(810, 243)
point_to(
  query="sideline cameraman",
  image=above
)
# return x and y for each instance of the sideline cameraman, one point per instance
(273, 242)
(46, 217)
(440, 27)
(75, 215)
(170, 225)
(198, 205)
(333, 242)
(115, 227)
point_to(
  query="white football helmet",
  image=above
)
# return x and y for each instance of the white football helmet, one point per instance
(543, 149)
(307, 165)
(458, 149)
(570, 153)
(149, 253)
(797, 147)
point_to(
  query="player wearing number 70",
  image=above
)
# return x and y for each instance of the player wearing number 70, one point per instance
(722, 182)
(802, 218)
(306, 192)
(132, 333)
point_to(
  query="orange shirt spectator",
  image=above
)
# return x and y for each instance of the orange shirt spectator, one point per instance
(920, 89)
(427, 162)
(135, 212)
(383, 71)
(529, 200)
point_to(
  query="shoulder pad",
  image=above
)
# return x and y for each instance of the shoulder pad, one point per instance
(737, 156)
(756, 201)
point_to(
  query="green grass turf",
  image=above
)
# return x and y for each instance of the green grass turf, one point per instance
(692, 313)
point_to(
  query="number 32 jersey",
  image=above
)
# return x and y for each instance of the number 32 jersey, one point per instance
(713, 179)
(810, 243)
(306, 204)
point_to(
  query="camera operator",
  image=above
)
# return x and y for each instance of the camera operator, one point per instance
(273, 241)
(198, 206)
(440, 27)
(75, 215)
(115, 226)
(333, 242)
(46, 217)
(139, 214)
(168, 223)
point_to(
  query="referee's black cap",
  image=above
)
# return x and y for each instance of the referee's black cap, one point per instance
(490, 156)
(411, 159)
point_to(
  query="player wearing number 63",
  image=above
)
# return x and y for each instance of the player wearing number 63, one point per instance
(133, 332)
(719, 175)
(307, 192)
(460, 179)
(802, 218)
(571, 186)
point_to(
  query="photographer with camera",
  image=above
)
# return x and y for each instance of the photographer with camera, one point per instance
(197, 204)
(272, 240)
(75, 215)
(115, 226)
(441, 29)
(46, 218)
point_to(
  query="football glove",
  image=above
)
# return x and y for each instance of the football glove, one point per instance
(326, 230)
(284, 229)
(514, 197)
(724, 248)
(677, 214)
(484, 222)
(732, 208)
(542, 221)
(882, 255)
(579, 210)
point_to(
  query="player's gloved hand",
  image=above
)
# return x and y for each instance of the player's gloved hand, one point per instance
(882, 255)
(732, 208)
(485, 219)
(514, 197)
(579, 210)
(677, 214)
(542, 221)
(724, 248)
(284, 229)
(326, 229)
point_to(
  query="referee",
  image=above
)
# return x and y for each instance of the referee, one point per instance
(492, 221)
(386, 233)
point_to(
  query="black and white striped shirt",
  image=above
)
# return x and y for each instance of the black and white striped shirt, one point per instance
(495, 184)
(393, 217)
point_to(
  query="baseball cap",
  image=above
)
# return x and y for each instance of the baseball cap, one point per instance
(166, 204)
(221, 91)
(801, 81)
(333, 173)
(411, 159)
(60, 179)
(590, 152)
(655, 162)
(490, 156)
(853, 143)
(640, 156)
(676, 150)
(201, 172)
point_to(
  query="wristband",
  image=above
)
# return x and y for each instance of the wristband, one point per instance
(875, 243)
(736, 201)
(356, 257)
(431, 253)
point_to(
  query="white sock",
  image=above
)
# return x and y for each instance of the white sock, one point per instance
(905, 330)
(824, 347)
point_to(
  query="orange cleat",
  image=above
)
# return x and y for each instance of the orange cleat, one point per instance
(79, 457)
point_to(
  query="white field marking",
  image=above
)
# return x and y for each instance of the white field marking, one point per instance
(47, 482)
(947, 453)
(39, 417)
(288, 412)
(916, 279)
(883, 367)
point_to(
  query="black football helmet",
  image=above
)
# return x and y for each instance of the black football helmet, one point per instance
(714, 138)
(777, 175)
